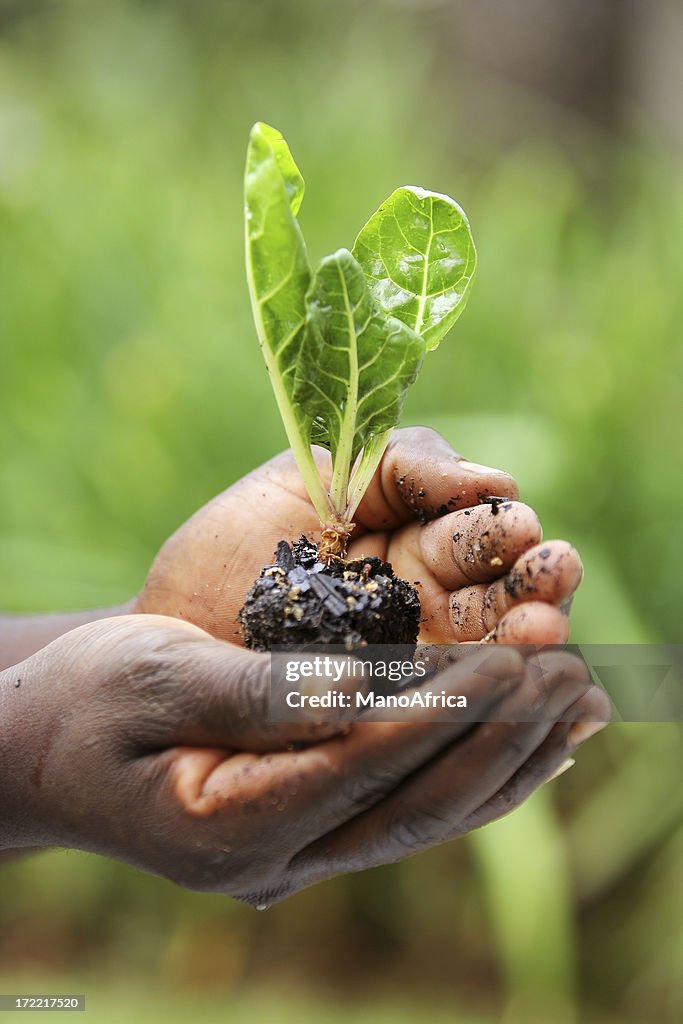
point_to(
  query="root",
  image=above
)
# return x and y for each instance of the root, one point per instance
(334, 541)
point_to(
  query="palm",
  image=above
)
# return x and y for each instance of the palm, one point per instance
(203, 572)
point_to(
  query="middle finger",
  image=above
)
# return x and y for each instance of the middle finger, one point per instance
(477, 545)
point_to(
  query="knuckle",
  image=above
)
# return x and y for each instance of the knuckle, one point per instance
(491, 607)
(492, 732)
(517, 790)
(516, 745)
(148, 670)
(412, 451)
(557, 666)
(151, 686)
(156, 658)
(418, 436)
(365, 789)
(250, 688)
(413, 828)
(509, 739)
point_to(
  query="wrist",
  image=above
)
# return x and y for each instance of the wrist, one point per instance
(23, 635)
(28, 721)
(14, 827)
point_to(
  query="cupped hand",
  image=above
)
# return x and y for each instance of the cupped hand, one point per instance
(145, 739)
(452, 527)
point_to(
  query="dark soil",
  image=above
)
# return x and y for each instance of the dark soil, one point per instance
(299, 601)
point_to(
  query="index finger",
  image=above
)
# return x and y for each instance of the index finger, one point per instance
(422, 477)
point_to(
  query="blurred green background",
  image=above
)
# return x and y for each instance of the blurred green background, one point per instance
(132, 390)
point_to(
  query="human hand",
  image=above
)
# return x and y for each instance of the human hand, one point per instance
(143, 738)
(480, 565)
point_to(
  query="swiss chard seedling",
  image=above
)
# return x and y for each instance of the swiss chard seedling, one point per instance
(343, 343)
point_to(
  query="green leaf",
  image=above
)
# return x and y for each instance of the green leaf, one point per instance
(290, 173)
(279, 275)
(355, 367)
(418, 255)
(342, 348)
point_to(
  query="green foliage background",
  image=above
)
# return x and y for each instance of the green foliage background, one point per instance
(132, 390)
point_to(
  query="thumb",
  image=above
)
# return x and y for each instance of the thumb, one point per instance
(234, 699)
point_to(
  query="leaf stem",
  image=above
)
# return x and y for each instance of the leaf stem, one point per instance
(370, 458)
(342, 459)
(300, 446)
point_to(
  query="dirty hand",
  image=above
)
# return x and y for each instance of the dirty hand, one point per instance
(480, 565)
(143, 738)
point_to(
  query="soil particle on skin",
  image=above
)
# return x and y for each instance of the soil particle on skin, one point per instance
(514, 583)
(414, 497)
(298, 600)
(495, 502)
(460, 614)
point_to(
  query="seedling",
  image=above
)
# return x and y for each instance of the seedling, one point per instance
(343, 343)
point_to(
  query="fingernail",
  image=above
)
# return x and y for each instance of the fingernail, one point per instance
(583, 731)
(478, 469)
(561, 769)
